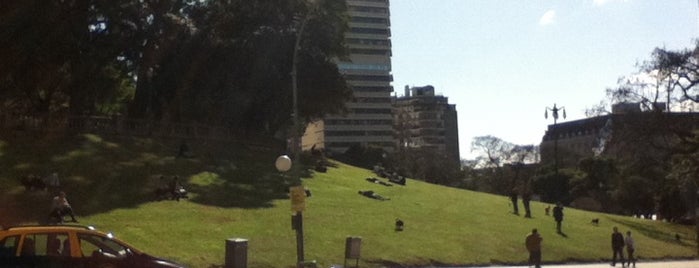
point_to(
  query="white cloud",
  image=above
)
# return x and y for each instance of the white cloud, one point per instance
(547, 18)
(603, 2)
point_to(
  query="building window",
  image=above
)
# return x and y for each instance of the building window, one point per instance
(371, 89)
(378, 10)
(358, 122)
(372, 100)
(378, 78)
(369, 51)
(382, 144)
(342, 144)
(361, 30)
(376, 1)
(371, 111)
(368, 67)
(363, 41)
(369, 20)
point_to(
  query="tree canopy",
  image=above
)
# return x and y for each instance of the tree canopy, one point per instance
(215, 62)
(655, 149)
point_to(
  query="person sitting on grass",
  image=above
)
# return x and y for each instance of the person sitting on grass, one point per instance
(60, 207)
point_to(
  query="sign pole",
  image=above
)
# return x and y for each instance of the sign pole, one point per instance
(298, 204)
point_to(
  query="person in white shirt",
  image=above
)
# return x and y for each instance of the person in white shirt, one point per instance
(630, 248)
(61, 207)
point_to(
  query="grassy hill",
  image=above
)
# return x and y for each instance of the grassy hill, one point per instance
(236, 193)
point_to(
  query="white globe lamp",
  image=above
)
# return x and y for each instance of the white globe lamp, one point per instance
(283, 163)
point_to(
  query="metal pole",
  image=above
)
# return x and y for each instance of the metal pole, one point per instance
(296, 142)
(555, 147)
(299, 240)
(294, 88)
(695, 201)
(554, 111)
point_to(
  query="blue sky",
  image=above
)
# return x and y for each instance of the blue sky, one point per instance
(503, 62)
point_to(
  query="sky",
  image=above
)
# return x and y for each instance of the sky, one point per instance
(503, 62)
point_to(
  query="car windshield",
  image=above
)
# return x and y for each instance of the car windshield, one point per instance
(8, 245)
(91, 244)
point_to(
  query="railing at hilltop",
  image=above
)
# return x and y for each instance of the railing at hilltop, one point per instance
(122, 126)
(145, 128)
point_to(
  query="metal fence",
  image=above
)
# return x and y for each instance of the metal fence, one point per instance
(117, 126)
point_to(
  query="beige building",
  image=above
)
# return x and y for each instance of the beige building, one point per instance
(369, 121)
(571, 141)
(425, 120)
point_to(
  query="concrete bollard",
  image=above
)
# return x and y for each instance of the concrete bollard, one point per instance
(353, 246)
(236, 253)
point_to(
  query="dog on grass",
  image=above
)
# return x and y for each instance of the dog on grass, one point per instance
(595, 221)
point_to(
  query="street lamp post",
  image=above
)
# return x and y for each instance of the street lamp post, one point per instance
(554, 112)
(297, 193)
(696, 214)
(297, 197)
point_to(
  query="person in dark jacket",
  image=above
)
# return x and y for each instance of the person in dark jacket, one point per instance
(513, 198)
(617, 246)
(558, 216)
(533, 244)
(526, 197)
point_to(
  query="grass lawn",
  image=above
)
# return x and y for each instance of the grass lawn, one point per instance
(236, 193)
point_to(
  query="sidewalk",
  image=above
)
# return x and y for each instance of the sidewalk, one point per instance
(652, 264)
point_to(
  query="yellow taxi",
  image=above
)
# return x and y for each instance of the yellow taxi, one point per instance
(70, 246)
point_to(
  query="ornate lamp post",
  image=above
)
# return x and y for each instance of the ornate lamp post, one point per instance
(554, 112)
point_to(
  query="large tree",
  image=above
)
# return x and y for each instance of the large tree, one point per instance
(61, 56)
(427, 164)
(494, 154)
(234, 67)
(645, 142)
(176, 61)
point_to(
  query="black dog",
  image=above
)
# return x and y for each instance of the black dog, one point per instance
(595, 221)
(399, 225)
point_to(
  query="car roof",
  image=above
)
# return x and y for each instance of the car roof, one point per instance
(22, 229)
(49, 227)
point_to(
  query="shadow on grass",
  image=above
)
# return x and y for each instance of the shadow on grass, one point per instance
(385, 263)
(437, 263)
(103, 173)
(652, 232)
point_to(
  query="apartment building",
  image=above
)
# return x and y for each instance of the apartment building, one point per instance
(426, 120)
(369, 121)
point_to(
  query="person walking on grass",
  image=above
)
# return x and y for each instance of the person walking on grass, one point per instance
(526, 197)
(533, 244)
(630, 249)
(558, 216)
(513, 198)
(617, 247)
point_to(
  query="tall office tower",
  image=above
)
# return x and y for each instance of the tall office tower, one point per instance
(369, 121)
(428, 121)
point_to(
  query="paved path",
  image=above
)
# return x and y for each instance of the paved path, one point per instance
(659, 264)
